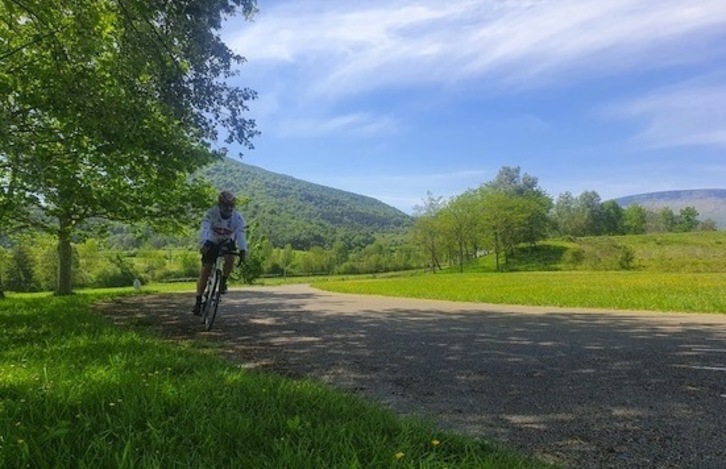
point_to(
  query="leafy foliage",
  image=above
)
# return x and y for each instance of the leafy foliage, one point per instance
(107, 107)
(500, 214)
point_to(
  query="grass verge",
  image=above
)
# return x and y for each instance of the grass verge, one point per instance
(651, 291)
(76, 391)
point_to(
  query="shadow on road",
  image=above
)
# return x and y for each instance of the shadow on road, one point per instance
(579, 388)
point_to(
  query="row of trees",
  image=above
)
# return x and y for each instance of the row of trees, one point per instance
(512, 209)
(587, 215)
(31, 265)
(499, 215)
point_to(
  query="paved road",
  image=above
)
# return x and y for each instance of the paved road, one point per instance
(584, 388)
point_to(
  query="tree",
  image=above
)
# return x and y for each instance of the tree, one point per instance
(687, 219)
(563, 214)
(19, 275)
(709, 224)
(666, 220)
(612, 218)
(497, 214)
(107, 107)
(513, 210)
(461, 219)
(634, 219)
(287, 259)
(579, 216)
(590, 214)
(427, 231)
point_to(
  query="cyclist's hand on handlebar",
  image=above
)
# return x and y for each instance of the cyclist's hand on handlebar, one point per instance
(241, 257)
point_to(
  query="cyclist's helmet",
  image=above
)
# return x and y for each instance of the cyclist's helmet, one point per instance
(226, 201)
(227, 198)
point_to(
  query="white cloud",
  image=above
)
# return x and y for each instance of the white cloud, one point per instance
(688, 114)
(360, 124)
(311, 54)
(355, 46)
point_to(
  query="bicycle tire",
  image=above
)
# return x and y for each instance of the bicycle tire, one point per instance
(211, 301)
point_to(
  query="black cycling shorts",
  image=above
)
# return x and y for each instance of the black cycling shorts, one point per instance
(211, 255)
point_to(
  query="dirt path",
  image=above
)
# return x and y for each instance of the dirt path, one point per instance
(584, 388)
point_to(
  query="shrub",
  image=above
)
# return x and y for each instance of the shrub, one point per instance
(574, 257)
(627, 258)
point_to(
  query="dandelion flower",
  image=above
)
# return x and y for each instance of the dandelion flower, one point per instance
(435, 442)
(399, 455)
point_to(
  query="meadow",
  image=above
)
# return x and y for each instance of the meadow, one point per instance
(668, 272)
(623, 290)
(78, 391)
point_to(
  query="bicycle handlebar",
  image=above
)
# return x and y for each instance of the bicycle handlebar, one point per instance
(225, 251)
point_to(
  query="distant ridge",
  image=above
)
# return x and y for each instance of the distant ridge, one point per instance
(710, 203)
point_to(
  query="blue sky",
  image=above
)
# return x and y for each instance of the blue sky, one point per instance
(396, 98)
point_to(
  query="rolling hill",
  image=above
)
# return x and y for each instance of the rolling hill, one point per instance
(302, 213)
(710, 203)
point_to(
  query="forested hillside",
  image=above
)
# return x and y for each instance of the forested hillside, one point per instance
(304, 214)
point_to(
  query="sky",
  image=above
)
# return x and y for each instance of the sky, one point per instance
(399, 99)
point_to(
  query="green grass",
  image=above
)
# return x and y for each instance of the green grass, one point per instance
(687, 292)
(660, 252)
(76, 391)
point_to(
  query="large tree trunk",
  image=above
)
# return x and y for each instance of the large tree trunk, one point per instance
(65, 260)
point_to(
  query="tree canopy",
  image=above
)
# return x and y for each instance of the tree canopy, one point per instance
(108, 107)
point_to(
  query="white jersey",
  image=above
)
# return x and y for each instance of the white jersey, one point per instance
(217, 229)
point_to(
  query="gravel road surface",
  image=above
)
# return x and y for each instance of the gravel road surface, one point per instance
(582, 388)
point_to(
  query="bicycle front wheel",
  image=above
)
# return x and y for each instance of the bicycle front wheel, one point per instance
(210, 306)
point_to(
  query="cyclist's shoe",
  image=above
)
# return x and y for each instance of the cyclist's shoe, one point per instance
(223, 286)
(197, 310)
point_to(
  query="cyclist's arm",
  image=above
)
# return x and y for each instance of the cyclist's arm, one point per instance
(206, 234)
(240, 234)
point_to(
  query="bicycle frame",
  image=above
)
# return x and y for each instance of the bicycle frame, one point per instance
(211, 296)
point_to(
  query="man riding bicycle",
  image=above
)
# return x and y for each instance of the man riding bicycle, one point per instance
(222, 226)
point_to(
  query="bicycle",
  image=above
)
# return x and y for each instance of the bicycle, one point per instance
(211, 296)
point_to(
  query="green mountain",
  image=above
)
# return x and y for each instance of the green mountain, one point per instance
(710, 203)
(302, 213)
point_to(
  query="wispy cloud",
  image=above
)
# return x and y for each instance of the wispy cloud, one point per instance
(688, 114)
(361, 124)
(356, 46)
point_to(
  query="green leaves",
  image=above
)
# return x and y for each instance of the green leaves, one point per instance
(108, 107)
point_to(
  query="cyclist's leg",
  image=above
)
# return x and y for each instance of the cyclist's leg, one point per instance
(208, 259)
(228, 265)
(204, 273)
(226, 270)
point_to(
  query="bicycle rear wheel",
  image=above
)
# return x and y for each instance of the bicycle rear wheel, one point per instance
(209, 312)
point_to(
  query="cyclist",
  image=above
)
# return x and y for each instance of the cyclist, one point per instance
(222, 225)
